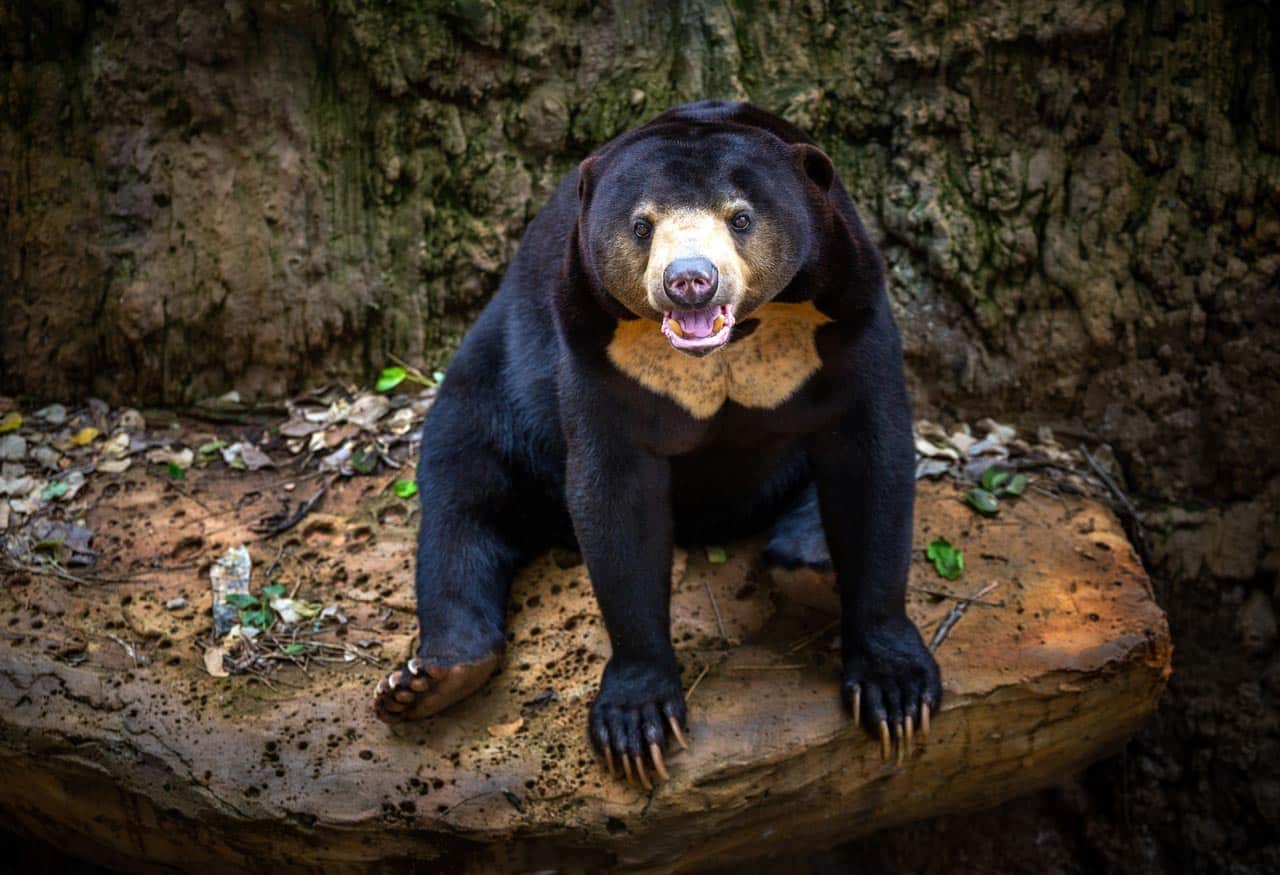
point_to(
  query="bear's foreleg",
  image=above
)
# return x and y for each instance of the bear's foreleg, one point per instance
(865, 473)
(619, 497)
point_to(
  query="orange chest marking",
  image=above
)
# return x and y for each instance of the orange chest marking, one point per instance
(762, 370)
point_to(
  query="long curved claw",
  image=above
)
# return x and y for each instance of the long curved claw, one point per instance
(675, 730)
(910, 731)
(644, 776)
(626, 768)
(898, 742)
(857, 704)
(924, 719)
(884, 741)
(608, 761)
(659, 766)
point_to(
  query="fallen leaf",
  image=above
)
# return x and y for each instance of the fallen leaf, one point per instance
(982, 501)
(213, 662)
(114, 466)
(11, 422)
(296, 428)
(717, 555)
(405, 488)
(13, 448)
(947, 560)
(255, 458)
(131, 420)
(167, 455)
(54, 414)
(85, 436)
(368, 409)
(506, 730)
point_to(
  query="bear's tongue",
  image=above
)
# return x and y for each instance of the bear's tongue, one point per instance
(699, 323)
(698, 331)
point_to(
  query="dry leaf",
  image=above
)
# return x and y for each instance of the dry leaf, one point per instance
(84, 436)
(11, 422)
(213, 659)
(506, 730)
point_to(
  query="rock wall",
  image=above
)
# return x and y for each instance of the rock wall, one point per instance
(1078, 201)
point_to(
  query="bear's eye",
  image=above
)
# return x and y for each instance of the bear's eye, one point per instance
(642, 229)
(740, 221)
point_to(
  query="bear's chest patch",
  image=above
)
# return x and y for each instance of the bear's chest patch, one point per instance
(761, 370)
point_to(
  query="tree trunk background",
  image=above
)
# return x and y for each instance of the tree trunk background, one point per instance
(1078, 204)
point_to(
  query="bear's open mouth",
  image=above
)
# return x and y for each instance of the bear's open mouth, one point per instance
(698, 331)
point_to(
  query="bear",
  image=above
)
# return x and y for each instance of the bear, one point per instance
(693, 343)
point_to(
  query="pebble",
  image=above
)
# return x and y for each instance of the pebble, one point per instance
(175, 604)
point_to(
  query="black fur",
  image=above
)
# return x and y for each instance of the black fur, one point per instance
(536, 438)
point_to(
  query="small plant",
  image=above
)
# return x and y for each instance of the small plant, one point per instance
(996, 483)
(256, 612)
(393, 376)
(948, 561)
(405, 488)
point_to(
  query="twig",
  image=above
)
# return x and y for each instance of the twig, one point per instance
(805, 640)
(715, 607)
(956, 613)
(274, 525)
(943, 594)
(689, 695)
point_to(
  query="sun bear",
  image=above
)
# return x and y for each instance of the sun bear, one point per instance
(692, 344)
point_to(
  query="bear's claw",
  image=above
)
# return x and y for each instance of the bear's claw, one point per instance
(418, 690)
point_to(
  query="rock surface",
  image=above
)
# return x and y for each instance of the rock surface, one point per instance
(116, 744)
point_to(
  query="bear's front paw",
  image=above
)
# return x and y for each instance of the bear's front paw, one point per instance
(891, 682)
(640, 709)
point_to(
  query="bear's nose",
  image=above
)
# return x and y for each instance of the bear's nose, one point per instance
(690, 282)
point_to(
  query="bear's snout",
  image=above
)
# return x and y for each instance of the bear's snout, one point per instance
(690, 282)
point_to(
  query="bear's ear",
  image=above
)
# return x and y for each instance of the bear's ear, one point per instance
(586, 178)
(815, 164)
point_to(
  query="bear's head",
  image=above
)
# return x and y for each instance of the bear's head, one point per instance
(696, 225)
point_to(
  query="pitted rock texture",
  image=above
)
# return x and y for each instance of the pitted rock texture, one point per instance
(117, 745)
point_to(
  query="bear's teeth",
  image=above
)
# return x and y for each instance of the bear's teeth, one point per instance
(717, 325)
(675, 326)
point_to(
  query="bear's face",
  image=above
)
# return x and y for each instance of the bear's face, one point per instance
(698, 232)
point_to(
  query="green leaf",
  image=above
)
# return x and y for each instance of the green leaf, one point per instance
(982, 501)
(55, 489)
(1017, 485)
(947, 560)
(364, 460)
(175, 471)
(994, 478)
(390, 378)
(261, 617)
(717, 555)
(242, 599)
(296, 648)
(208, 449)
(273, 591)
(405, 488)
